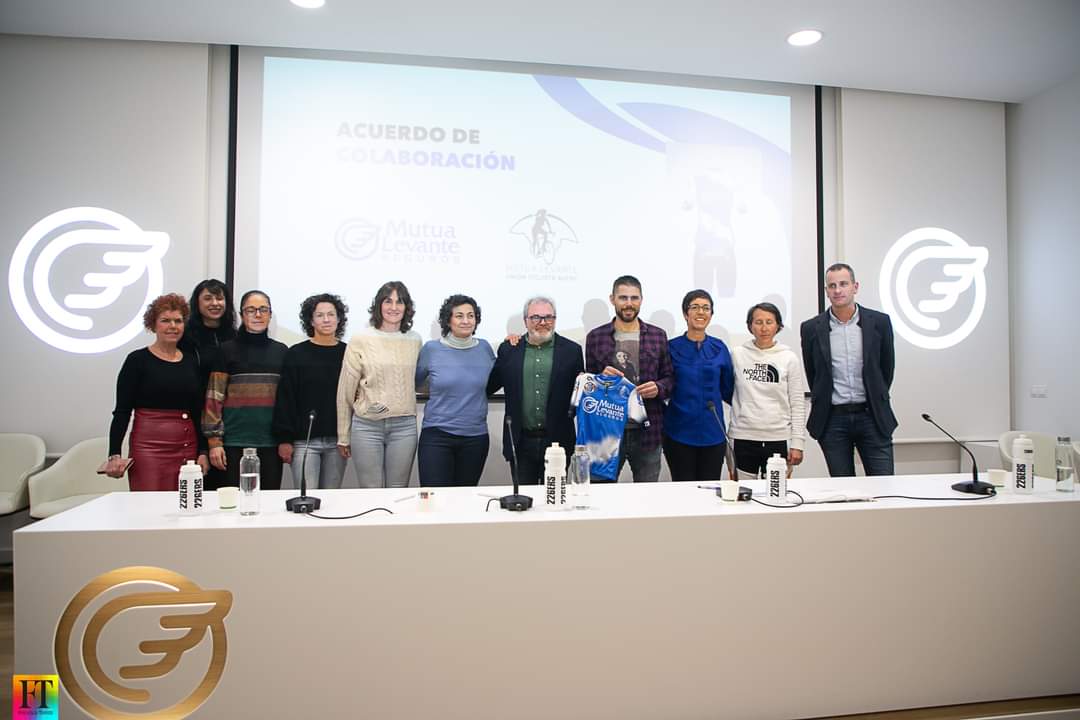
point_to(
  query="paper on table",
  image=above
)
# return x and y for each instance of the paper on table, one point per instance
(834, 496)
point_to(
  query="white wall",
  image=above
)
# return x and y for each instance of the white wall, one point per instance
(1043, 141)
(910, 162)
(110, 124)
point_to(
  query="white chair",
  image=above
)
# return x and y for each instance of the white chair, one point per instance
(20, 457)
(1045, 446)
(73, 480)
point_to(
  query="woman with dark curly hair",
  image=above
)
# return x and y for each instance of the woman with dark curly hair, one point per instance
(211, 324)
(308, 384)
(160, 383)
(240, 396)
(454, 438)
(376, 392)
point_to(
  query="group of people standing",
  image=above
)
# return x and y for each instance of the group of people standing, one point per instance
(205, 388)
(686, 381)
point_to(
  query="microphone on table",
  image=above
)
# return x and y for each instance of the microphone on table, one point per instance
(303, 503)
(516, 502)
(975, 486)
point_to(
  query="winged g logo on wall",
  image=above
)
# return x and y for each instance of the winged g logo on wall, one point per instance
(110, 675)
(118, 252)
(950, 277)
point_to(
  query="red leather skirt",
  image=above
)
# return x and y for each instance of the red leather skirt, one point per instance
(161, 441)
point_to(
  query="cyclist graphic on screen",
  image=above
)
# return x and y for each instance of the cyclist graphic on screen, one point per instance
(541, 230)
(545, 232)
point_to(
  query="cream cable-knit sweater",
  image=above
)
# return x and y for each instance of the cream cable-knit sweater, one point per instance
(378, 378)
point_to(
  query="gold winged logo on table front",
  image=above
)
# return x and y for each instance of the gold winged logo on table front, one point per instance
(198, 611)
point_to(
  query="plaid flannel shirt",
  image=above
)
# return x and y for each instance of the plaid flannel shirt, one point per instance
(654, 363)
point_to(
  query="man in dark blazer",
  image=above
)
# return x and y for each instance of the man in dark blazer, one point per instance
(849, 358)
(538, 374)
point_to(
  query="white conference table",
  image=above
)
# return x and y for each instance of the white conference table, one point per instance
(661, 601)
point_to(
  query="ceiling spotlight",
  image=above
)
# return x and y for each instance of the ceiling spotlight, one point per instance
(801, 38)
(308, 4)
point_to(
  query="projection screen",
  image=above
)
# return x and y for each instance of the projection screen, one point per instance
(503, 181)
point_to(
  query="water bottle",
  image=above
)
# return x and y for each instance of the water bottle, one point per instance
(555, 478)
(776, 474)
(579, 478)
(190, 486)
(1066, 468)
(249, 482)
(1023, 476)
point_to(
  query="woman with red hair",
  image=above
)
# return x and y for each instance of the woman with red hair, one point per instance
(161, 384)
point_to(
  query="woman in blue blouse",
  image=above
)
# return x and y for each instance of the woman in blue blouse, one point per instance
(694, 439)
(454, 441)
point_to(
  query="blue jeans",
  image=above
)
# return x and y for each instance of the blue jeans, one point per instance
(448, 460)
(324, 468)
(644, 464)
(844, 433)
(383, 451)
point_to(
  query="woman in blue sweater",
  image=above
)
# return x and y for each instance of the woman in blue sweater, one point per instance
(694, 439)
(453, 438)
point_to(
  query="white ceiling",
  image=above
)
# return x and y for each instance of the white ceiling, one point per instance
(986, 49)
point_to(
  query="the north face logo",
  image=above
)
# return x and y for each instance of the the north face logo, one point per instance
(762, 372)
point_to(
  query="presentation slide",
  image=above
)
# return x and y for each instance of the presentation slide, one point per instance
(502, 185)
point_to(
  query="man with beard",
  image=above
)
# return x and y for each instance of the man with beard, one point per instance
(646, 349)
(538, 376)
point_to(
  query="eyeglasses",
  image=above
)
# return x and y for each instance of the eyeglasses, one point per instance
(325, 316)
(541, 319)
(700, 308)
(253, 311)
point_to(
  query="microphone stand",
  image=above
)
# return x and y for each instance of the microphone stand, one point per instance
(516, 502)
(975, 486)
(729, 452)
(303, 503)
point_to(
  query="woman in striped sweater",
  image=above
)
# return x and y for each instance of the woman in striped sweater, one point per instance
(240, 395)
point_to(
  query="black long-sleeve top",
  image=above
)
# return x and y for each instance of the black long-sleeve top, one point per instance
(204, 343)
(148, 382)
(309, 378)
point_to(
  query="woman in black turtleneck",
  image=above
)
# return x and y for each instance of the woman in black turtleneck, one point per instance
(212, 324)
(309, 384)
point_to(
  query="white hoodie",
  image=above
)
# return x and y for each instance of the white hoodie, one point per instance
(769, 403)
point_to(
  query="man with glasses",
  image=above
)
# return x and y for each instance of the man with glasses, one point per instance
(538, 377)
(646, 350)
